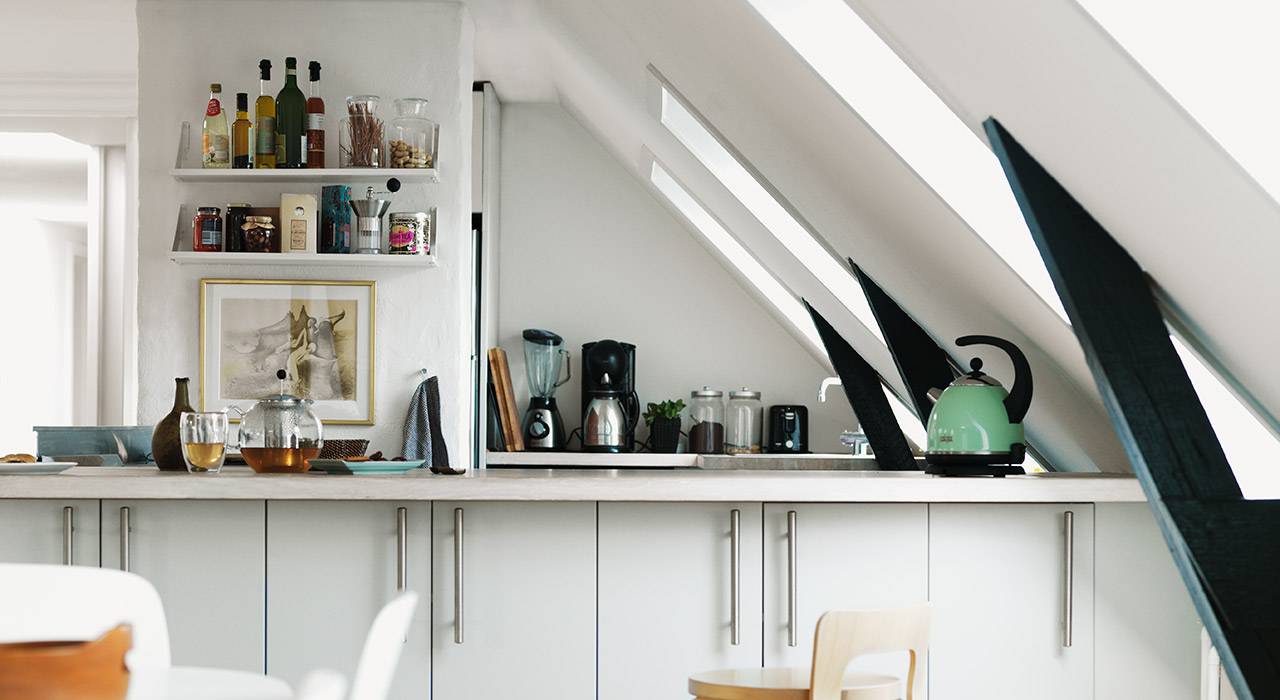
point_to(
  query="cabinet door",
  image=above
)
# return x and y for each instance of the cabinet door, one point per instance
(206, 559)
(847, 557)
(666, 594)
(515, 601)
(39, 532)
(997, 580)
(331, 567)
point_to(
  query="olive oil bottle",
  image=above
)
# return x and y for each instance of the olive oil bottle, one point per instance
(264, 117)
(240, 133)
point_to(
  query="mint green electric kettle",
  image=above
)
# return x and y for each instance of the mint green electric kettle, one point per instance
(975, 426)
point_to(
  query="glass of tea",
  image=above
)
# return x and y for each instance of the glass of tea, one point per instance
(204, 441)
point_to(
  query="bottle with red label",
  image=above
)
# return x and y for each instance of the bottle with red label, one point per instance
(206, 230)
(315, 119)
(215, 142)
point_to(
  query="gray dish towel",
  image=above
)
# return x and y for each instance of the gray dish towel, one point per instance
(423, 438)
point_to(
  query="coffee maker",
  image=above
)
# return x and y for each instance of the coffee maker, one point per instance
(609, 372)
(543, 354)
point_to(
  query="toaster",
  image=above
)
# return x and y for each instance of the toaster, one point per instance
(788, 430)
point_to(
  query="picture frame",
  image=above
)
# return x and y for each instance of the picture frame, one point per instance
(321, 332)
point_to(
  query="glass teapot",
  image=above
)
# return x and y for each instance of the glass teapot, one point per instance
(280, 433)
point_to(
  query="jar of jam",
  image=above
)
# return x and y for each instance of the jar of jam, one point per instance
(233, 240)
(260, 235)
(206, 230)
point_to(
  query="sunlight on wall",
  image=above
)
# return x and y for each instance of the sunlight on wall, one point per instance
(916, 123)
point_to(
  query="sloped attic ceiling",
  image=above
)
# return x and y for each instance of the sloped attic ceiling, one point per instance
(1204, 230)
(835, 172)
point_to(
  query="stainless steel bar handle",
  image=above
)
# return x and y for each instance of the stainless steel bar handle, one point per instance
(124, 538)
(68, 535)
(791, 578)
(402, 549)
(1068, 590)
(458, 579)
(735, 576)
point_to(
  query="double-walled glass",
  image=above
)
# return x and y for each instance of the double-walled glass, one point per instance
(204, 441)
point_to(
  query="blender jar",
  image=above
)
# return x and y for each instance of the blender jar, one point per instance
(411, 142)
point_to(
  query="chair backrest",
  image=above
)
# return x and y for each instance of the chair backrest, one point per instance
(47, 602)
(843, 635)
(382, 648)
(322, 684)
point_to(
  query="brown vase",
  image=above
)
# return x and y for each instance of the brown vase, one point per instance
(166, 442)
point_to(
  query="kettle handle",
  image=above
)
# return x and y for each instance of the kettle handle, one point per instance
(1019, 398)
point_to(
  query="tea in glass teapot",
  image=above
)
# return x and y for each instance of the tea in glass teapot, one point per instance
(280, 433)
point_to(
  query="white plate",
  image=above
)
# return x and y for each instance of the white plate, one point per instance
(36, 468)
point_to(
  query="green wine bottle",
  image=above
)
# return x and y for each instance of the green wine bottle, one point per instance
(291, 120)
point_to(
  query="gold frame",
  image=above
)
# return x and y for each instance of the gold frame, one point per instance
(373, 331)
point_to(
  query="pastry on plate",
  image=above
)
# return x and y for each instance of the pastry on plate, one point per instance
(18, 458)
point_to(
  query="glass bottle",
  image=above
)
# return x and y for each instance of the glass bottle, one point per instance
(240, 132)
(264, 116)
(291, 119)
(743, 427)
(315, 119)
(706, 409)
(215, 149)
(411, 141)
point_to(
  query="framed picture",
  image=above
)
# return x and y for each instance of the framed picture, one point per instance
(320, 333)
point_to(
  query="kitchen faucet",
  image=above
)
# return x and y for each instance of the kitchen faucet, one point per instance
(827, 384)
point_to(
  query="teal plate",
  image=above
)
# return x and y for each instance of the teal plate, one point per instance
(338, 466)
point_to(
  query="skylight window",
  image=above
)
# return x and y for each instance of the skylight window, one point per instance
(1217, 60)
(831, 271)
(1251, 448)
(916, 123)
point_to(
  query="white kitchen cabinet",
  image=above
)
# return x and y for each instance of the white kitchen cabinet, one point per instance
(999, 590)
(846, 557)
(515, 601)
(40, 531)
(331, 566)
(1147, 632)
(207, 560)
(666, 594)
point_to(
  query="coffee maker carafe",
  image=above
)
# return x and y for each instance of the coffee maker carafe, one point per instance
(609, 371)
(543, 352)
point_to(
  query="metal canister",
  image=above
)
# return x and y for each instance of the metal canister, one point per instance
(410, 233)
(234, 235)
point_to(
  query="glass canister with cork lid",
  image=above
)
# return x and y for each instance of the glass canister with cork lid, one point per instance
(706, 409)
(743, 432)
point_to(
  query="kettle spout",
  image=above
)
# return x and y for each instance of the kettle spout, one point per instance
(1019, 398)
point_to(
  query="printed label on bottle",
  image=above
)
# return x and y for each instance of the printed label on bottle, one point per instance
(315, 121)
(302, 139)
(266, 136)
(211, 233)
(297, 234)
(213, 109)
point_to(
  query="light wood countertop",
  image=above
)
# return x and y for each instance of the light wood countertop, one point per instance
(670, 485)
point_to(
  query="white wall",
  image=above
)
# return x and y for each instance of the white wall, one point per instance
(422, 315)
(587, 252)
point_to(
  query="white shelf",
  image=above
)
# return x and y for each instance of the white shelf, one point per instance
(591, 459)
(186, 257)
(324, 175)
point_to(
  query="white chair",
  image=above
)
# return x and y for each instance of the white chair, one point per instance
(46, 602)
(841, 637)
(381, 653)
(322, 684)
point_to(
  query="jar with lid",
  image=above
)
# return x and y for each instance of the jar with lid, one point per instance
(260, 235)
(233, 236)
(706, 409)
(743, 429)
(361, 134)
(206, 230)
(411, 141)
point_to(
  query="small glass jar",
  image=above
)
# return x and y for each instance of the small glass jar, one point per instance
(706, 409)
(260, 235)
(411, 141)
(361, 134)
(743, 429)
(206, 230)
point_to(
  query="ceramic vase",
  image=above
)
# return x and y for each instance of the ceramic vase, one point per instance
(166, 443)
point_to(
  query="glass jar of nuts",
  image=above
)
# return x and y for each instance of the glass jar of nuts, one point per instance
(411, 141)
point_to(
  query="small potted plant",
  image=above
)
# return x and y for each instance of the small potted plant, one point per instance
(663, 420)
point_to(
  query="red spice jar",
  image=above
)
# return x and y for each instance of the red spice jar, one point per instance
(206, 230)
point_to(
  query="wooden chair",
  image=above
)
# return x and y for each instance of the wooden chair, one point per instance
(841, 636)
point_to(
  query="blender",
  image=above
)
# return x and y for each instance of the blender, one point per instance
(542, 426)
